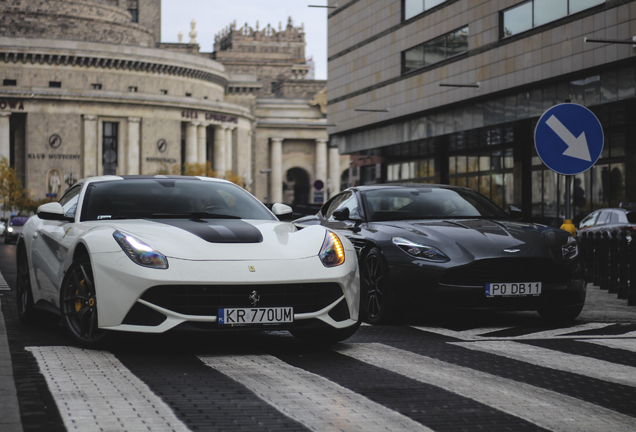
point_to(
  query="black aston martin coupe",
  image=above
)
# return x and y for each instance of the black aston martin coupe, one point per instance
(447, 247)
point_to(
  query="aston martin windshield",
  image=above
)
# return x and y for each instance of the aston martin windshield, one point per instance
(156, 198)
(392, 204)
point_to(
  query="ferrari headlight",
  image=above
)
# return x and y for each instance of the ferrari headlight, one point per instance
(571, 249)
(420, 251)
(332, 252)
(139, 252)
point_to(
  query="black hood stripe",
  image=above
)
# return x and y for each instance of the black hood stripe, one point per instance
(218, 231)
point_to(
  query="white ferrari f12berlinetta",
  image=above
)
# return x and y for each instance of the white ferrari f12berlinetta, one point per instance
(152, 254)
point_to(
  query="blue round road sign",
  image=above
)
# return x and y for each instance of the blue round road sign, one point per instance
(569, 138)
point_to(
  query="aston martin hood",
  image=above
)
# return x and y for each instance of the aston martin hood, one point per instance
(482, 237)
(228, 239)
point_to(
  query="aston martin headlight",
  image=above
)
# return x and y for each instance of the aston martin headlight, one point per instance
(139, 252)
(420, 251)
(571, 249)
(332, 252)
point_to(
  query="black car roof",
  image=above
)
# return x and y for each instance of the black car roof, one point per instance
(364, 188)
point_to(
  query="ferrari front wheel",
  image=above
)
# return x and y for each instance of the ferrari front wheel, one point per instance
(78, 303)
(26, 310)
(376, 302)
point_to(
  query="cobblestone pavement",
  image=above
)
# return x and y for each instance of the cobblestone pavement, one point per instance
(459, 372)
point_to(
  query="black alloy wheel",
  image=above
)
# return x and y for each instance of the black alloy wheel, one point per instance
(376, 303)
(26, 311)
(78, 303)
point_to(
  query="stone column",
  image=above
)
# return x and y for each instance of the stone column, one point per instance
(276, 164)
(5, 135)
(321, 162)
(228, 148)
(191, 143)
(90, 146)
(333, 183)
(201, 143)
(219, 151)
(134, 142)
(248, 161)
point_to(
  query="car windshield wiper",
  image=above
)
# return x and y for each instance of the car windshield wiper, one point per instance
(194, 215)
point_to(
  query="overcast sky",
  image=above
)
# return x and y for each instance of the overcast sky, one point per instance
(212, 16)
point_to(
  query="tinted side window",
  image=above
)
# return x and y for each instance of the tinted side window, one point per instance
(349, 201)
(69, 201)
(603, 218)
(335, 205)
(589, 220)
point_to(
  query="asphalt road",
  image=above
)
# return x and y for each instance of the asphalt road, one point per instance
(468, 372)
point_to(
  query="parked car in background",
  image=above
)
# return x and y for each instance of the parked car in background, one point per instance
(424, 246)
(2, 228)
(152, 254)
(15, 228)
(610, 219)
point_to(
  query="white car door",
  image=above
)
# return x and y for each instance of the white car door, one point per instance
(49, 248)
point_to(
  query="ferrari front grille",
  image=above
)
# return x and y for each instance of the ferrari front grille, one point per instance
(206, 299)
(481, 272)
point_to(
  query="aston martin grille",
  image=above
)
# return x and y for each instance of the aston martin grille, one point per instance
(206, 299)
(507, 270)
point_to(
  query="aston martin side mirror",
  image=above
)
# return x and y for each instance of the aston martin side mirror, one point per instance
(515, 212)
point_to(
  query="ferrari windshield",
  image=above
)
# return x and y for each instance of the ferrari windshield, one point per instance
(150, 198)
(392, 204)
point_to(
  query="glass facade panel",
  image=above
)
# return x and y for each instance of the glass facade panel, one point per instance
(457, 42)
(416, 7)
(414, 59)
(546, 11)
(579, 5)
(609, 86)
(435, 51)
(626, 83)
(412, 8)
(517, 20)
(432, 3)
(534, 13)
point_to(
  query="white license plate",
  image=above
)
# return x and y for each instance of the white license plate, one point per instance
(513, 289)
(255, 315)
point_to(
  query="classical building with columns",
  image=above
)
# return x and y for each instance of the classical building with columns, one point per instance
(89, 89)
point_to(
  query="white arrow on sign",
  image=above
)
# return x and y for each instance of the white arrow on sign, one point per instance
(577, 147)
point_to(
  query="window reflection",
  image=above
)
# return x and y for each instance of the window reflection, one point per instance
(435, 50)
(534, 13)
(416, 7)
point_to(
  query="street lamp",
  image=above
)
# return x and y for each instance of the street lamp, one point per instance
(268, 172)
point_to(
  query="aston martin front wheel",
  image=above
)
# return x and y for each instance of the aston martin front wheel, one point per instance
(325, 336)
(376, 301)
(78, 303)
(26, 311)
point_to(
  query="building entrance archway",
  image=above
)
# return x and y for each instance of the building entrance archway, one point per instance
(296, 188)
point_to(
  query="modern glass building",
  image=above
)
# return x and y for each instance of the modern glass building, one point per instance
(451, 91)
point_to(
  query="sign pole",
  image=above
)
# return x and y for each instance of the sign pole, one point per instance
(567, 223)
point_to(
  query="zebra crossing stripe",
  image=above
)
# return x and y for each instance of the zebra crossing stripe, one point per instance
(544, 408)
(624, 344)
(586, 366)
(483, 333)
(95, 392)
(4, 286)
(310, 399)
